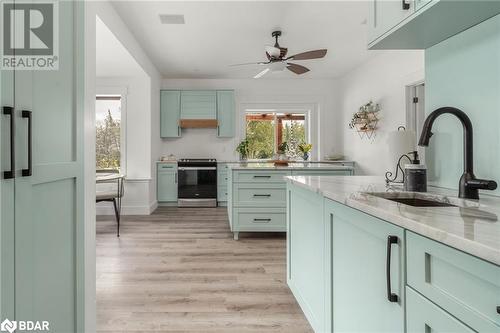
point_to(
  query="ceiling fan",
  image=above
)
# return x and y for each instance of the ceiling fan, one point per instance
(278, 61)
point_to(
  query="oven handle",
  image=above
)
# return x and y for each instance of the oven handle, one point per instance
(196, 168)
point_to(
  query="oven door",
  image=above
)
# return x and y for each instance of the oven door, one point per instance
(197, 186)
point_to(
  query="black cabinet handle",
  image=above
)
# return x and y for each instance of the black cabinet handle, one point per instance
(406, 5)
(262, 195)
(9, 111)
(262, 220)
(29, 171)
(390, 295)
(498, 309)
(256, 176)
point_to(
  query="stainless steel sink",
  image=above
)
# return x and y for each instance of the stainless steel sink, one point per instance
(414, 199)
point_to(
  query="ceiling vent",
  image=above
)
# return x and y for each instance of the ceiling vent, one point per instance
(172, 18)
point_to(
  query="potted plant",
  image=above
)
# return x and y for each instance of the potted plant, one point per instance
(305, 149)
(282, 151)
(242, 149)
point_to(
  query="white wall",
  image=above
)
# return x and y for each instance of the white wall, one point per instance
(382, 79)
(320, 95)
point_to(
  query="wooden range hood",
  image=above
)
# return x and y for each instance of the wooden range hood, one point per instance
(198, 123)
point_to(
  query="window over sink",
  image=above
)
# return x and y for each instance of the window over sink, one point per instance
(266, 130)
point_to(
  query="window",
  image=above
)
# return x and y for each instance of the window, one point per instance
(267, 131)
(108, 132)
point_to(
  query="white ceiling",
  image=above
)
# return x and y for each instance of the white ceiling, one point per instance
(217, 34)
(112, 59)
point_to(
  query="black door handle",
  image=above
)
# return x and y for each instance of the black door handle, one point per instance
(390, 295)
(406, 5)
(29, 171)
(9, 111)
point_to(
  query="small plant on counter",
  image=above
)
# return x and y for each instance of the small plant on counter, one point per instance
(305, 148)
(282, 148)
(242, 149)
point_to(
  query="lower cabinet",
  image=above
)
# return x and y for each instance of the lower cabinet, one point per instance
(423, 316)
(368, 271)
(167, 182)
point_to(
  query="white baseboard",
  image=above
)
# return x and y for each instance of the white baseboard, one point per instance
(152, 206)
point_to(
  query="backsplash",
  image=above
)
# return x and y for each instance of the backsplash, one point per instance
(464, 72)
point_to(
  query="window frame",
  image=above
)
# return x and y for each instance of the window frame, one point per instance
(122, 93)
(275, 112)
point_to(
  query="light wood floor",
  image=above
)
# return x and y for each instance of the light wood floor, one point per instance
(179, 270)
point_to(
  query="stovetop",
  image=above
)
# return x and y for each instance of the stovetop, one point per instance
(195, 160)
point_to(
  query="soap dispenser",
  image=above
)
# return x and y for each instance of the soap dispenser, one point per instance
(415, 175)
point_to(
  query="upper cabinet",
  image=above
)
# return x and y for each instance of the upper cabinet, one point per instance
(197, 109)
(198, 104)
(170, 111)
(420, 24)
(225, 113)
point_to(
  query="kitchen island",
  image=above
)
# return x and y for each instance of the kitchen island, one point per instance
(360, 259)
(257, 193)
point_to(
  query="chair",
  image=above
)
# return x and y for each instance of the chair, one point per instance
(111, 194)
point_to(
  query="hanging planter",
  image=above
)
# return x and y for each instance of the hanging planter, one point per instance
(365, 121)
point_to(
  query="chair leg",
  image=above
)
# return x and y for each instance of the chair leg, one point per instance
(117, 215)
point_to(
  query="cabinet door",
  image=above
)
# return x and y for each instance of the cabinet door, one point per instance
(198, 104)
(49, 189)
(361, 250)
(225, 114)
(423, 316)
(170, 105)
(384, 15)
(167, 186)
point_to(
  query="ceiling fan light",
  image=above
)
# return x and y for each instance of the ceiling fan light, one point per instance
(273, 51)
(278, 66)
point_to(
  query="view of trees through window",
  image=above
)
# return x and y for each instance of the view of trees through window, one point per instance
(108, 142)
(267, 131)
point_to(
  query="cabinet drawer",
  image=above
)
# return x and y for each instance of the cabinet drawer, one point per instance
(423, 316)
(221, 193)
(260, 219)
(259, 195)
(260, 176)
(167, 167)
(463, 285)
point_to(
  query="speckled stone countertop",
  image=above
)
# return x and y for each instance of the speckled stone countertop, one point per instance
(291, 166)
(472, 227)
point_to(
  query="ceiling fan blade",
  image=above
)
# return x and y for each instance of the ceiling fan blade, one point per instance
(261, 74)
(273, 51)
(297, 69)
(309, 55)
(250, 63)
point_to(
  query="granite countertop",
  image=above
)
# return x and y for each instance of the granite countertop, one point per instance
(473, 227)
(240, 162)
(290, 166)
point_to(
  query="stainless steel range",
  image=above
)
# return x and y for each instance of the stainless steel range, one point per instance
(197, 183)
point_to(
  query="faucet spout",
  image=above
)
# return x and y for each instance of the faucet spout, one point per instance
(469, 185)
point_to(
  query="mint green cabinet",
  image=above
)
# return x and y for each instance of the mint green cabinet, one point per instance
(167, 182)
(222, 178)
(383, 15)
(359, 255)
(440, 273)
(309, 250)
(426, 23)
(198, 104)
(226, 114)
(170, 110)
(424, 316)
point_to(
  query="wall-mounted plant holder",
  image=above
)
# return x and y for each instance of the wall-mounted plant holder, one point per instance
(365, 121)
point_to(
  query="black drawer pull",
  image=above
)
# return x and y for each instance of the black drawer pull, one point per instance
(498, 309)
(406, 5)
(262, 220)
(390, 295)
(9, 111)
(29, 171)
(262, 195)
(266, 176)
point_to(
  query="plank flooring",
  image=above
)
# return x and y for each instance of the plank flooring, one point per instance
(179, 270)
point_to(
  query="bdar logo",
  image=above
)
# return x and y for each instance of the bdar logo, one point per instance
(9, 326)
